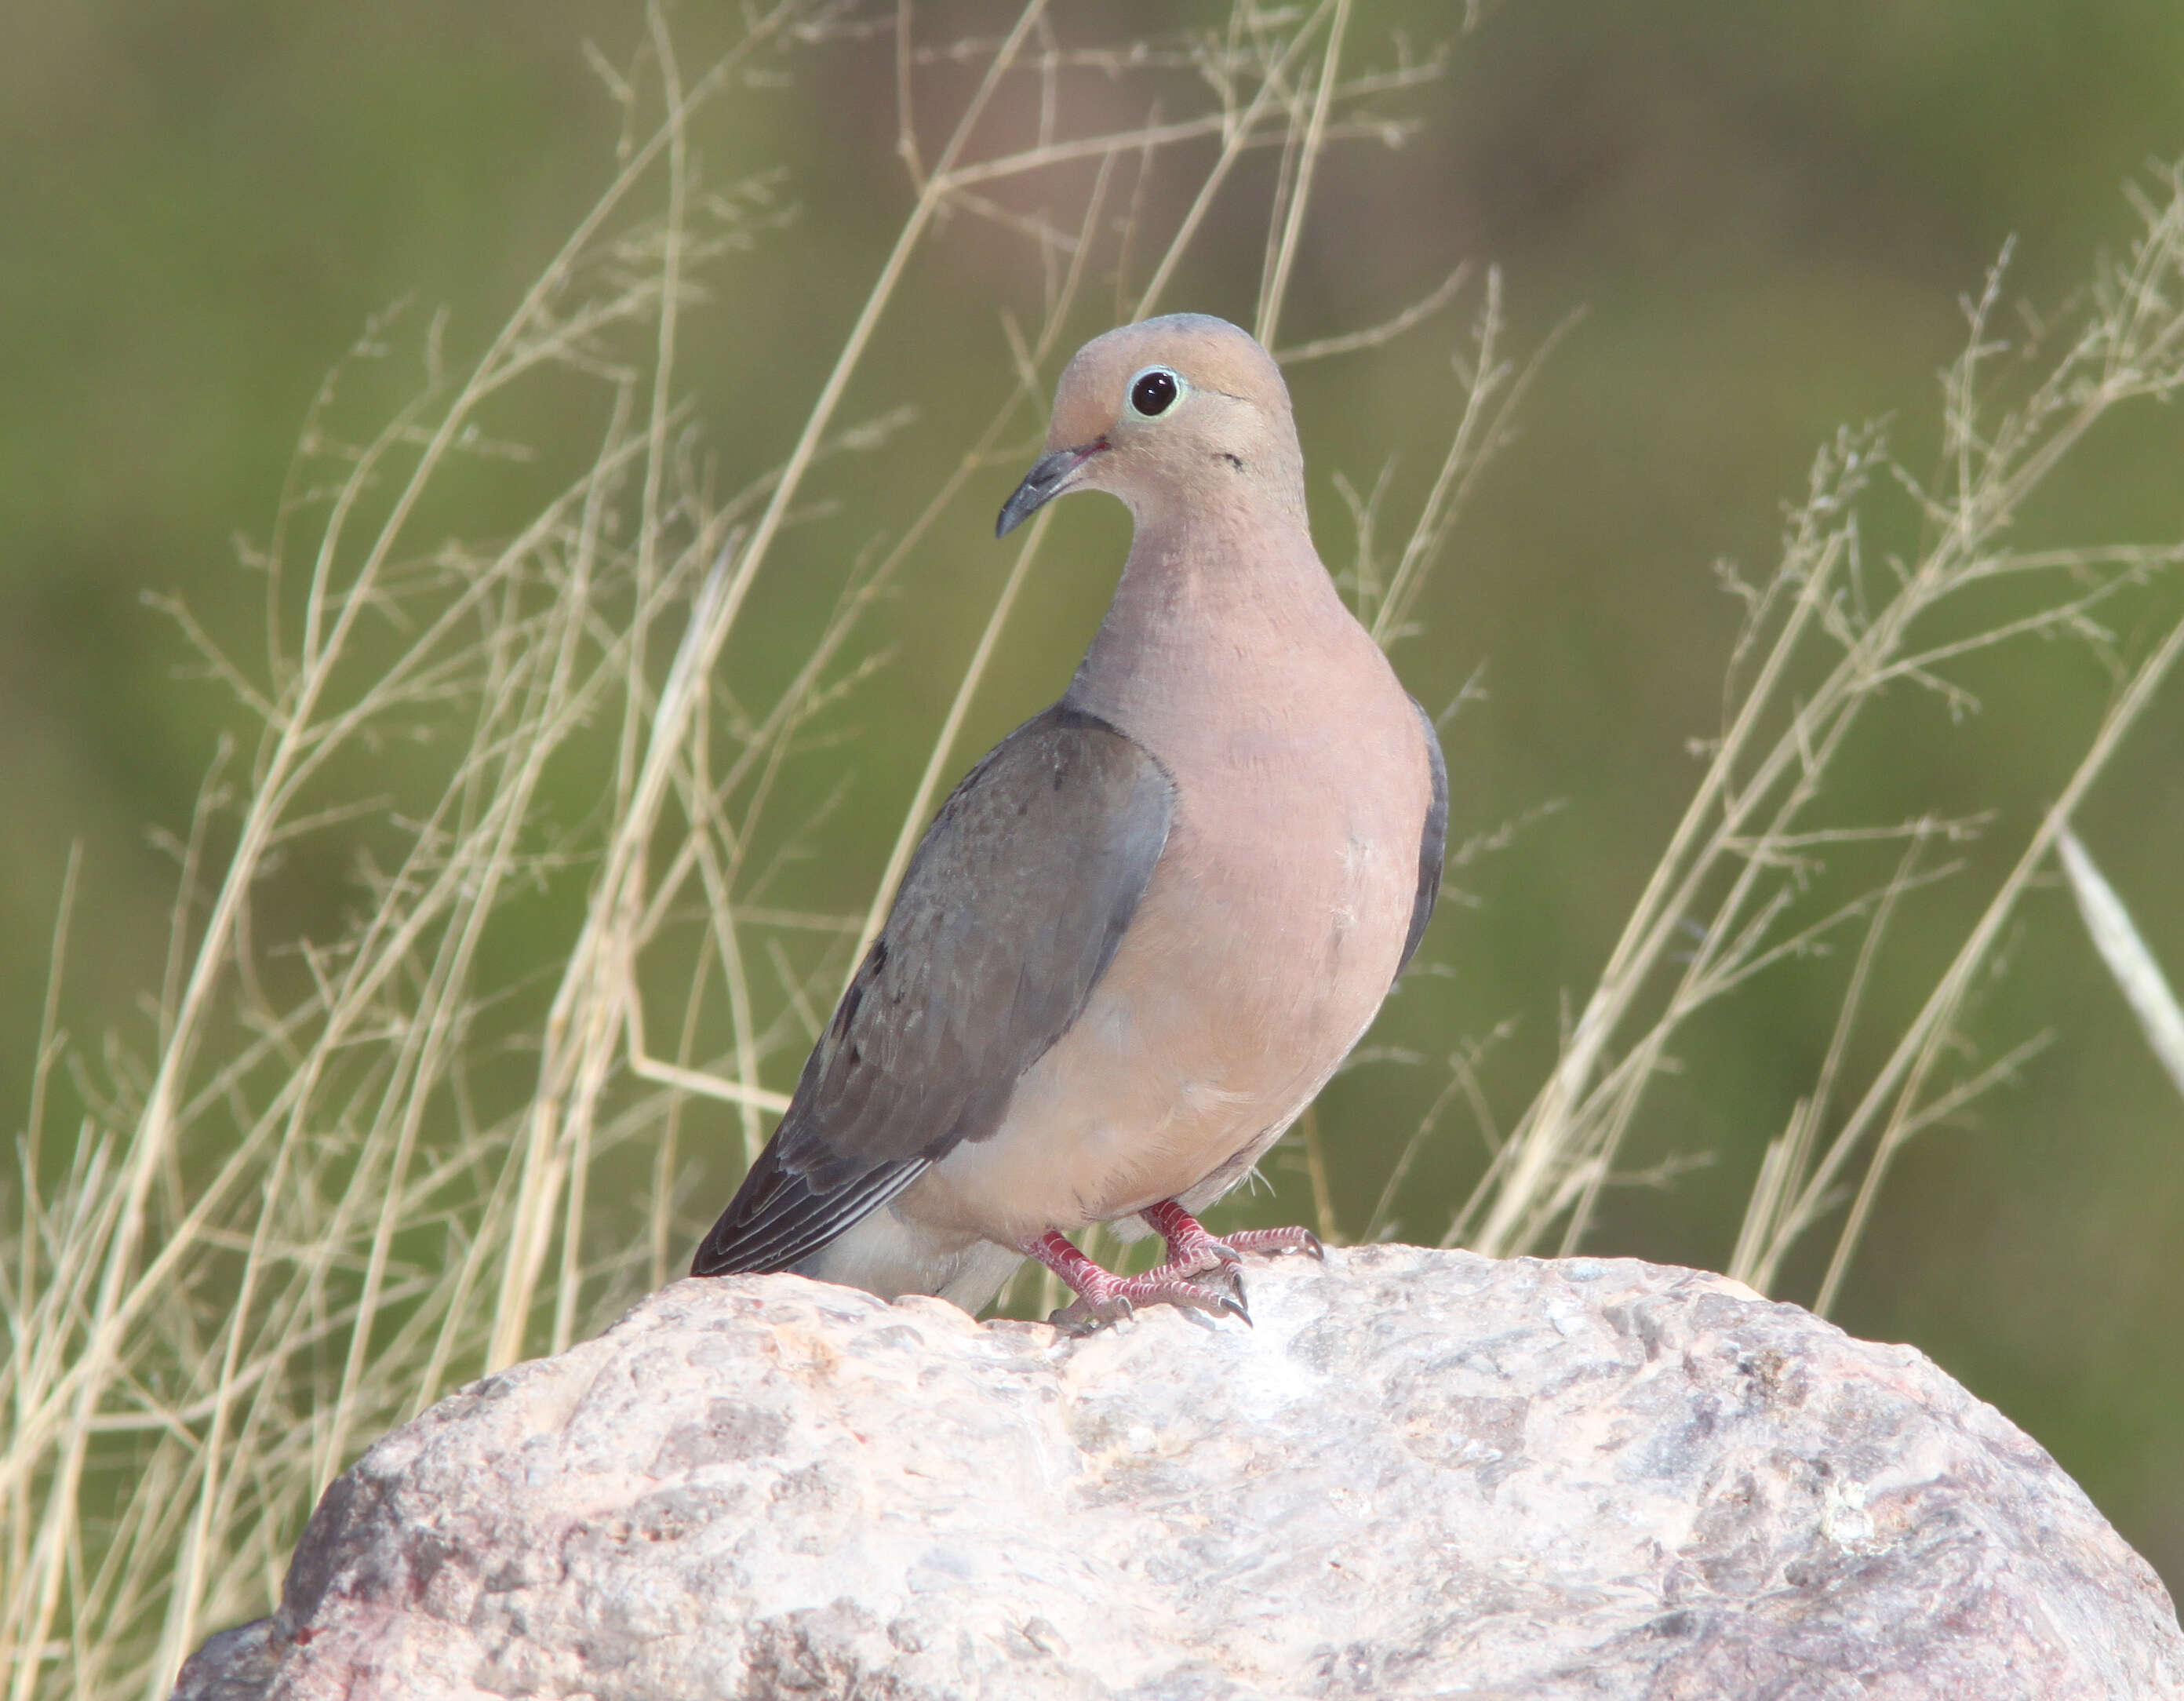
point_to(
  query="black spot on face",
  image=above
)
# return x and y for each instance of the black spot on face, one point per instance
(1235, 461)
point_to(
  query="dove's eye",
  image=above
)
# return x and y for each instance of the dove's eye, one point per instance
(1153, 391)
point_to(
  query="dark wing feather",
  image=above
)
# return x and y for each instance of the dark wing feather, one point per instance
(1433, 846)
(1008, 915)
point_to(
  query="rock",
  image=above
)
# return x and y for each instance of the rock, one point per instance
(1421, 1474)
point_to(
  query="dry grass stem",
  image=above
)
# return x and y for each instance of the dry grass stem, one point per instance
(1740, 886)
(359, 1157)
(360, 1162)
(2137, 973)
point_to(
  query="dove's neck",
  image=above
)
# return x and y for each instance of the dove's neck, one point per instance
(1227, 615)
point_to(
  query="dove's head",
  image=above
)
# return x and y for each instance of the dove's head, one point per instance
(1177, 414)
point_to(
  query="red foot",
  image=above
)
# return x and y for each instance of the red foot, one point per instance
(1190, 1249)
(1103, 1297)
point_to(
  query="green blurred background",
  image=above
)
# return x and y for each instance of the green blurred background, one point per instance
(1769, 215)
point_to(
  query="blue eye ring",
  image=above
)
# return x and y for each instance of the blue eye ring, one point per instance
(1156, 390)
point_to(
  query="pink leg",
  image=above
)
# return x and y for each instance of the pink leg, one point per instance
(1103, 1297)
(1192, 1250)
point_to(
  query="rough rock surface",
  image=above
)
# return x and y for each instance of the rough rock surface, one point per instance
(1421, 1474)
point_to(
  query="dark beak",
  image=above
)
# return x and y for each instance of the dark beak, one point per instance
(1049, 477)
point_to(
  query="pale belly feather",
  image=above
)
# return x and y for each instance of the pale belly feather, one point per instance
(1258, 958)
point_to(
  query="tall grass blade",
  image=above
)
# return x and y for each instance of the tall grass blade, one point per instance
(2110, 925)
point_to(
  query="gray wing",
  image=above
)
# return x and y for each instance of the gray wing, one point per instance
(1009, 914)
(1433, 846)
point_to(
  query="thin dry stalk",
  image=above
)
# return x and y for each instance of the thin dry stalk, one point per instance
(2129, 958)
(330, 1191)
(1736, 871)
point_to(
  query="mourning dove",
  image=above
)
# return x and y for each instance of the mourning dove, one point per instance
(1142, 933)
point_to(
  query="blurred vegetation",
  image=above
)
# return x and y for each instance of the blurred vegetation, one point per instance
(1750, 226)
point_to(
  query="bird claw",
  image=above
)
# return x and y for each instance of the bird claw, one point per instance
(1192, 1249)
(1203, 1273)
(1104, 1303)
(1278, 1240)
(1207, 1257)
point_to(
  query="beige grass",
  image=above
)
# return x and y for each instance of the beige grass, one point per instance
(349, 1173)
(1828, 635)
